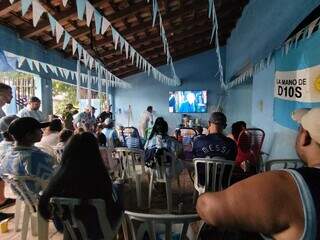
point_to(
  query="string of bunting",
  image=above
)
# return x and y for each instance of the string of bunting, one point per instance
(61, 72)
(57, 30)
(156, 12)
(103, 25)
(265, 62)
(215, 37)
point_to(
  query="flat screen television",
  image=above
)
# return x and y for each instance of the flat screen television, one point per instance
(188, 101)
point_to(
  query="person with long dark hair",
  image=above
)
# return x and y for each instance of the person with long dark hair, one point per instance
(160, 141)
(82, 175)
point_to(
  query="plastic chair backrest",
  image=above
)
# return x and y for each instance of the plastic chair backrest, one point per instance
(251, 140)
(58, 151)
(132, 161)
(149, 222)
(215, 170)
(276, 164)
(22, 185)
(64, 209)
(165, 168)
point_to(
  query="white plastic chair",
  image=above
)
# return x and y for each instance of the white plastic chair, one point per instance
(164, 172)
(277, 164)
(150, 222)
(64, 210)
(58, 151)
(214, 174)
(20, 184)
(18, 204)
(132, 167)
(106, 154)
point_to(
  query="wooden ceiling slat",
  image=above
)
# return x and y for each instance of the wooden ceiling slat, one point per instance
(129, 32)
(6, 7)
(186, 23)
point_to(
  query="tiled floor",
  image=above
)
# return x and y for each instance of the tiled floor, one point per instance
(181, 195)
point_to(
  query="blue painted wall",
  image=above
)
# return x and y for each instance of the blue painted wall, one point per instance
(254, 37)
(264, 26)
(198, 72)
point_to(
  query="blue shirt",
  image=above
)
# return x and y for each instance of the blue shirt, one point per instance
(27, 161)
(214, 145)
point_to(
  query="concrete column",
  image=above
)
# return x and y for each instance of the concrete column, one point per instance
(44, 92)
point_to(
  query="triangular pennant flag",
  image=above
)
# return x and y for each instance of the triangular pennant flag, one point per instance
(81, 5)
(80, 48)
(61, 71)
(37, 64)
(20, 61)
(311, 27)
(44, 67)
(29, 61)
(37, 11)
(78, 77)
(97, 21)
(89, 12)
(25, 4)
(64, 2)
(126, 45)
(53, 69)
(53, 24)
(121, 43)
(90, 62)
(115, 37)
(66, 73)
(74, 46)
(11, 1)
(154, 12)
(66, 40)
(59, 31)
(105, 25)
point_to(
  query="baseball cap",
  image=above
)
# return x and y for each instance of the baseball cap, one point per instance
(218, 118)
(309, 118)
(70, 106)
(5, 122)
(22, 126)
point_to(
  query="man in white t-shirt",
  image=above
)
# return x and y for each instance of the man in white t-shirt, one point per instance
(147, 117)
(32, 110)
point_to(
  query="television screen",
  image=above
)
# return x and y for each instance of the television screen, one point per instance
(188, 101)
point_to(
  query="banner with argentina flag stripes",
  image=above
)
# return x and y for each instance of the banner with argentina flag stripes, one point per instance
(297, 79)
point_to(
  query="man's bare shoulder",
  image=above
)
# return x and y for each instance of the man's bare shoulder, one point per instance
(259, 203)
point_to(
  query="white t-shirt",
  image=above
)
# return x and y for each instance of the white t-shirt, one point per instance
(36, 114)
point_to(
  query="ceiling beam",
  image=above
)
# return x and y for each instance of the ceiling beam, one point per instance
(6, 7)
(128, 32)
(64, 16)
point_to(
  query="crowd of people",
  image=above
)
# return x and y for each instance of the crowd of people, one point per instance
(259, 203)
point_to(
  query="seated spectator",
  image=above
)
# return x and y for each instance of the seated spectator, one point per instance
(5, 145)
(236, 129)
(24, 158)
(158, 142)
(246, 160)
(133, 140)
(215, 144)
(282, 204)
(64, 136)
(111, 134)
(83, 175)
(8, 140)
(50, 137)
(102, 140)
(199, 131)
(51, 133)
